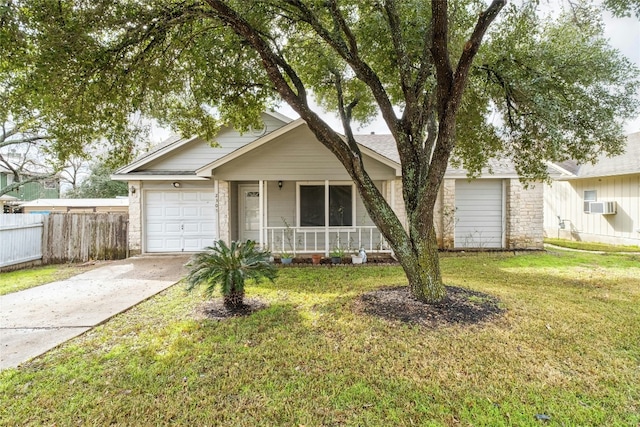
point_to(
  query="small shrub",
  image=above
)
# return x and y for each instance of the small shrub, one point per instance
(229, 267)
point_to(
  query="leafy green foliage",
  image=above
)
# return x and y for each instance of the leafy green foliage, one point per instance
(623, 7)
(230, 267)
(99, 185)
(438, 72)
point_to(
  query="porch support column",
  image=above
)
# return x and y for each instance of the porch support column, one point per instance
(261, 211)
(265, 217)
(327, 243)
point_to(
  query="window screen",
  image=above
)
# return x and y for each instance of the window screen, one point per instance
(589, 196)
(312, 205)
(312, 209)
(340, 211)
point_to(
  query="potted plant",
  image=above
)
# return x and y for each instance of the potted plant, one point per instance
(316, 258)
(336, 255)
(286, 257)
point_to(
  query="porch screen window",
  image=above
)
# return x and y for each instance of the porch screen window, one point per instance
(312, 208)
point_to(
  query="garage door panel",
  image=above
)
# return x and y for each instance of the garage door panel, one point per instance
(208, 228)
(180, 220)
(479, 214)
(191, 227)
(190, 212)
(155, 197)
(190, 197)
(172, 227)
(208, 211)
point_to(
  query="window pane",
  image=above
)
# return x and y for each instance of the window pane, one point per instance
(312, 205)
(589, 196)
(340, 207)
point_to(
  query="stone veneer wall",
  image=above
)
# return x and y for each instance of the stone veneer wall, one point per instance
(445, 214)
(135, 218)
(224, 210)
(525, 215)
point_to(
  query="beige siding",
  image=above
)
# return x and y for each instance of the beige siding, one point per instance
(565, 199)
(282, 204)
(199, 152)
(293, 157)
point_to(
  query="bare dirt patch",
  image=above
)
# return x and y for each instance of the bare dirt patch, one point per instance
(460, 306)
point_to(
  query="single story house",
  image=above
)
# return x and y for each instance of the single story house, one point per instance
(281, 187)
(46, 206)
(597, 202)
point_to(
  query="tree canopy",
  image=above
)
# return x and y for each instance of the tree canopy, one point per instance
(99, 185)
(464, 81)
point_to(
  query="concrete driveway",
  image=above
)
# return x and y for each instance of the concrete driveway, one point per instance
(36, 320)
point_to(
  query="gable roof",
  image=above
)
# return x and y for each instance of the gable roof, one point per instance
(624, 164)
(386, 146)
(166, 146)
(369, 151)
(173, 143)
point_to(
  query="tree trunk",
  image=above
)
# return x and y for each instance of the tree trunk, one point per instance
(422, 267)
(234, 300)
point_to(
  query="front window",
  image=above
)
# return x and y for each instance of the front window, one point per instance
(589, 196)
(312, 206)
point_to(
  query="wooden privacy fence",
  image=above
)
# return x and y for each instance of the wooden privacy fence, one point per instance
(78, 237)
(62, 237)
(20, 238)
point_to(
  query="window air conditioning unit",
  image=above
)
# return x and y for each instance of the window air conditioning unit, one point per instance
(603, 208)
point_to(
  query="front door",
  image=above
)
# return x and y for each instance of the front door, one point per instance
(249, 213)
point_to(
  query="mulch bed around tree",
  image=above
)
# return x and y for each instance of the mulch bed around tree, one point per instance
(216, 310)
(460, 306)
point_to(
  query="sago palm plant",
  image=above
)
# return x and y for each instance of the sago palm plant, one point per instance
(229, 266)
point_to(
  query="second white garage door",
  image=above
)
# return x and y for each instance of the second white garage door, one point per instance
(180, 220)
(479, 214)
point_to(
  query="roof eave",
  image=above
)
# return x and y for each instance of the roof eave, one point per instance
(130, 177)
(155, 155)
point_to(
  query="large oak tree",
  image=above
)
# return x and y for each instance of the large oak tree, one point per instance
(460, 81)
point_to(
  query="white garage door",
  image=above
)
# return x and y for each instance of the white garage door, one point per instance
(479, 218)
(179, 221)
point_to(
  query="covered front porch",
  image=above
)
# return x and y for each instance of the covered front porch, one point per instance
(290, 194)
(304, 217)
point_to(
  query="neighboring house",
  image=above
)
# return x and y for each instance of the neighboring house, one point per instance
(599, 202)
(46, 206)
(281, 187)
(49, 188)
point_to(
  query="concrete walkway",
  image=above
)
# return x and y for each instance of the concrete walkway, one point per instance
(36, 320)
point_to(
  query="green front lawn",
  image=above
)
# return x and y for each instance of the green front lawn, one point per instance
(567, 348)
(18, 280)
